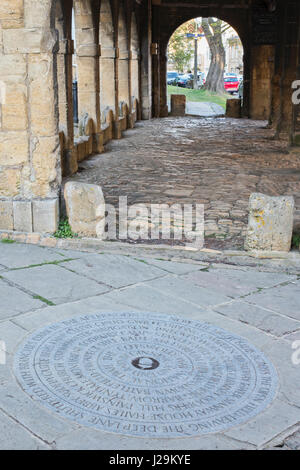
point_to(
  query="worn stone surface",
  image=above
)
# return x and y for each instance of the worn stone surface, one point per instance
(215, 162)
(54, 283)
(6, 215)
(174, 293)
(23, 216)
(45, 215)
(270, 224)
(85, 206)
(14, 301)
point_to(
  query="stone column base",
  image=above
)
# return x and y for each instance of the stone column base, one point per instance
(117, 130)
(98, 142)
(30, 216)
(131, 120)
(69, 162)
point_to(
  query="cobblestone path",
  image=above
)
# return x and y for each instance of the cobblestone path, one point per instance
(217, 162)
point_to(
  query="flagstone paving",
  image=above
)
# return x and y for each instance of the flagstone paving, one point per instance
(260, 306)
(216, 162)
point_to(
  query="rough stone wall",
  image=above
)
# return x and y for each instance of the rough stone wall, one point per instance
(36, 120)
(29, 145)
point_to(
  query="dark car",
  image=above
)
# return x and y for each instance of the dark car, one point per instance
(186, 81)
(172, 78)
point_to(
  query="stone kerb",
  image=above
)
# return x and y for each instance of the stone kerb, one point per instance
(270, 224)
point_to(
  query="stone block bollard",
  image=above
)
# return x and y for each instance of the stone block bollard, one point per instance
(270, 225)
(233, 108)
(85, 206)
(178, 105)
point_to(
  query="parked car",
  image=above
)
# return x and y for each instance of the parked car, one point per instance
(172, 78)
(230, 74)
(231, 84)
(186, 81)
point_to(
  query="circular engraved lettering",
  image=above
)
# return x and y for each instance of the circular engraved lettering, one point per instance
(148, 375)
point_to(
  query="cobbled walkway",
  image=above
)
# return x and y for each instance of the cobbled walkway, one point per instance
(217, 162)
(40, 286)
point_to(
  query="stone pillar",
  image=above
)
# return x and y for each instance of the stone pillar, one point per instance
(276, 89)
(30, 170)
(163, 61)
(89, 88)
(291, 61)
(155, 80)
(124, 84)
(284, 115)
(146, 72)
(117, 132)
(246, 81)
(262, 59)
(64, 59)
(107, 79)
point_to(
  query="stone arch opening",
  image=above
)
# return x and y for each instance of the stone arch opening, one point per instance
(238, 19)
(214, 48)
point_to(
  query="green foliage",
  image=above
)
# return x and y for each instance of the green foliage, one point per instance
(296, 240)
(7, 240)
(181, 48)
(64, 230)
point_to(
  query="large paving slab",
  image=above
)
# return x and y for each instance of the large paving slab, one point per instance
(115, 270)
(14, 301)
(54, 283)
(146, 298)
(183, 289)
(89, 439)
(235, 282)
(175, 267)
(14, 436)
(261, 307)
(284, 299)
(261, 318)
(264, 427)
(17, 255)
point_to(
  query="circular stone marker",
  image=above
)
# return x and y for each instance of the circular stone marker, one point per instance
(148, 375)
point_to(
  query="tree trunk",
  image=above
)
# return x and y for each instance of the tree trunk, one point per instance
(213, 33)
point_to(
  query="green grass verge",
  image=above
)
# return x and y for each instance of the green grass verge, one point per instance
(199, 95)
